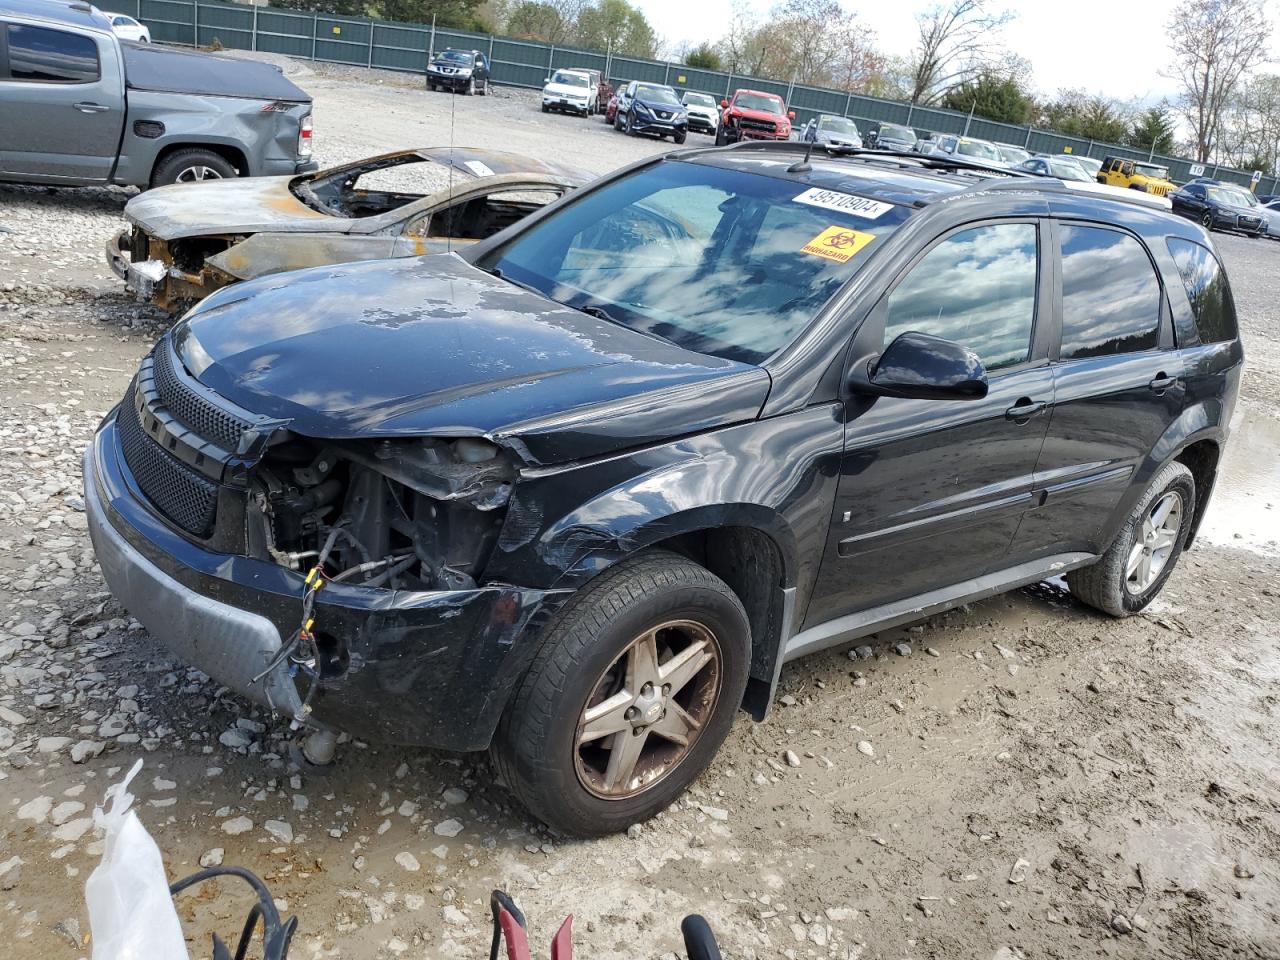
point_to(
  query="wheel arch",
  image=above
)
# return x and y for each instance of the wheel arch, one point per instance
(1194, 439)
(229, 152)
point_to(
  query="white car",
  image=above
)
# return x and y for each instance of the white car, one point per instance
(704, 112)
(569, 91)
(127, 28)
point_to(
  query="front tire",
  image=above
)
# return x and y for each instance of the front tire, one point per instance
(680, 136)
(1145, 551)
(470, 89)
(1206, 220)
(632, 693)
(630, 128)
(191, 166)
(721, 138)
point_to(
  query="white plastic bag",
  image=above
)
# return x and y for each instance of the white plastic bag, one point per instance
(130, 911)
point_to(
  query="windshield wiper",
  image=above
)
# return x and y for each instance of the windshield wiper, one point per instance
(497, 272)
(600, 313)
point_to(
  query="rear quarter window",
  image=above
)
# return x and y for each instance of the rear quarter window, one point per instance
(1207, 290)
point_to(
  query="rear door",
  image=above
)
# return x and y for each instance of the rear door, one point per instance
(931, 491)
(1118, 384)
(61, 103)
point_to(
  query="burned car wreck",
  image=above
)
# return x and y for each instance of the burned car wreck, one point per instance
(188, 240)
(575, 493)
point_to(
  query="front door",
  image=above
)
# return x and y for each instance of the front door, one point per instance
(61, 104)
(931, 491)
(1118, 385)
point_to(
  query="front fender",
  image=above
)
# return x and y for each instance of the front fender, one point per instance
(566, 525)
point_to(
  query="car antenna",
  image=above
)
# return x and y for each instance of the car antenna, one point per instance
(802, 166)
(448, 230)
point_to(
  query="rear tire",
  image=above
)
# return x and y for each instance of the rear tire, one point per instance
(191, 166)
(542, 750)
(1118, 583)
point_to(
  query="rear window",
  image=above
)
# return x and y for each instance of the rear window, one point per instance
(1110, 294)
(719, 261)
(41, 55)
(1207, 289)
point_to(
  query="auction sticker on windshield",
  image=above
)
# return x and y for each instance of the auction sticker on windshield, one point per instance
(837, 243)
(845, 203)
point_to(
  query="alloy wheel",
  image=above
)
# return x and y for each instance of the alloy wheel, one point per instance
(1206, 220)
(1153, 545)
(647, 709)
(197, 173)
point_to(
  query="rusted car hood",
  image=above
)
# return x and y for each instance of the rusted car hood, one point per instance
(433, 346)
(241, 205)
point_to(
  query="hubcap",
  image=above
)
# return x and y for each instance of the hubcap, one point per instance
(199, 172)
(1153, 544)
(647, 709)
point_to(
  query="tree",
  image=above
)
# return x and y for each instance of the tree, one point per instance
(1154, 130)
(993, 97)
(1249, 133)
(447, 13)
(815, 42)
(1214, 43)
(550, 21)
(616, 24)
(704, 57)
(1088, 116)
(957, 41)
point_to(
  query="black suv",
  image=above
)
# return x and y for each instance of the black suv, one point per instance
(577, 492)
(459, 70)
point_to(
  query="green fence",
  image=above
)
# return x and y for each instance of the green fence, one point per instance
(525, 63)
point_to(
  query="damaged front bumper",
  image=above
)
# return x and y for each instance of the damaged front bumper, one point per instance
(158, 279)
(428, 668)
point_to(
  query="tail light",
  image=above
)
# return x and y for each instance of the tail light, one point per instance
(304, 136)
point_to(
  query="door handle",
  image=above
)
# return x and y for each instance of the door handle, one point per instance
(1161, 383)
(1024, 409)
(85, 106)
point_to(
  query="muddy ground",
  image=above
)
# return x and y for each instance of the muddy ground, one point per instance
(1033, 780)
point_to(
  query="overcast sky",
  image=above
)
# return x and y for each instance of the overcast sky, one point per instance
(1116, 48)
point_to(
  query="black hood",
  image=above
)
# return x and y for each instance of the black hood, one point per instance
(152, 67)
(433, 346)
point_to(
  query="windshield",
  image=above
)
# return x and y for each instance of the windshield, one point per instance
(1090, 165)
(455, 56)
(1066, 170)
(700, 99)
(978, 149)
(1148, 170)
(567, 79)
(1013, 154)
(889, 131)
(758, 101)
(1237, 198)
(657, 94)
(719, 261)
(838, 125)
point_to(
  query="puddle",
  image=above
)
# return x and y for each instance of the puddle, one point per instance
(1245, 509)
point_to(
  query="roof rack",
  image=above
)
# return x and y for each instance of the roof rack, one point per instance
(905, 157)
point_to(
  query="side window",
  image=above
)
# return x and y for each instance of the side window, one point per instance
(41, 55)
(1207, 289)
(1110, 294)
(978, 288)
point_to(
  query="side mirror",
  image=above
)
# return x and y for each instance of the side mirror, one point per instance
(791, 115)
(921, 367)
(546, 79)
(724, 104)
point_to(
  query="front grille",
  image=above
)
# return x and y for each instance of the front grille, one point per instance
(177, 491)
(1248, 223)
(193, 411)
(757, 126)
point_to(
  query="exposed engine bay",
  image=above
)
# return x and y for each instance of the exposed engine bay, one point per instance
(411, 515)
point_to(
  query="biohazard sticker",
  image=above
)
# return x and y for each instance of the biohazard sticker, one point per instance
(844, 202)
(837, 243)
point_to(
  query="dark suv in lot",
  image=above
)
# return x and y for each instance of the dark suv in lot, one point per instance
(576, 493)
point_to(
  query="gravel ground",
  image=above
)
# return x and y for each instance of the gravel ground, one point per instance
(1030, 780)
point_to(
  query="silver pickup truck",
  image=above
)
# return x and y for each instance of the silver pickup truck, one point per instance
(78, 106)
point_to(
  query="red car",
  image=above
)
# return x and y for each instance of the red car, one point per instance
(611, 109)
(753, 115)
